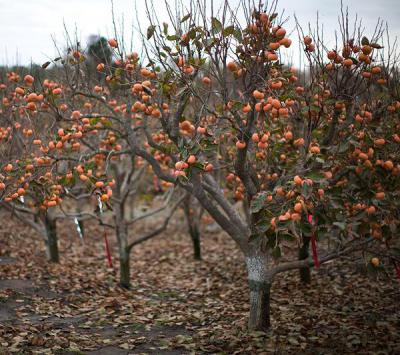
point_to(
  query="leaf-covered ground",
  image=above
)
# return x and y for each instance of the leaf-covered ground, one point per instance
(177, 305)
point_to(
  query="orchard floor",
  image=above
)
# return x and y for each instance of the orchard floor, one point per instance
(177, 305)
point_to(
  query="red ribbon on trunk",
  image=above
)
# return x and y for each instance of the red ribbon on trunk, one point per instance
(313, 242)
(107, 247)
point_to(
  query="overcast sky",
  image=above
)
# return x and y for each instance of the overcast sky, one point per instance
(27, 26)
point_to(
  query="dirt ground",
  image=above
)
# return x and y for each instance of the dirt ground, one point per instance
(180, 306)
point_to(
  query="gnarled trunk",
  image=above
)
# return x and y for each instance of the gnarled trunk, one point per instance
(260, 291)
(305, 272)
(51, 239)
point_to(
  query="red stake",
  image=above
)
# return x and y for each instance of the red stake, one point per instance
(107, 247)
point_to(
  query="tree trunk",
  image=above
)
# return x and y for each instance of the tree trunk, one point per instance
(121, 226)
(51, 239)
(125, 273)
(124, 253)
(305, 272)
(260, 290)
(193, 227)
(195, 235)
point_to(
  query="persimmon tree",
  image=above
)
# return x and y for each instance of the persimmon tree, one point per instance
(300, 155)
(21, 130)
(214, 110)
(82, 152)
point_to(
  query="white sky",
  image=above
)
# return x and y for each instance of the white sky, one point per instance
(27, 26)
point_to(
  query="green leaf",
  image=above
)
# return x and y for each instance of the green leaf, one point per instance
(305, 109)
(172, 38)
(263, 226)
(150, 31)
(238, 34)
(287, 237)
(228, 31)
(315, 175)
(186, 17)
(192, 33)
(305, 227)
(119, 72)
(90, 165)
(376, 46)
(258, 202)
(365, 41)
(355, 61)
(216, 25)
(273, 16)
(165, 28)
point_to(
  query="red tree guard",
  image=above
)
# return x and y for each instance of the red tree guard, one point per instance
(107, 247)
(313, 242)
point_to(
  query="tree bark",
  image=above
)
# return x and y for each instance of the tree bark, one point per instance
(195, 235)
(51, 239)
(124, 252)
(260, 291)
(125, 273)
(305, 272)
(193, 227)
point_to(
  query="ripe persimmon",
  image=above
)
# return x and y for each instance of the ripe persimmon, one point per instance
(206, 80)
(258, 94)
(29, 79)
(388, 165)
(307, 40)
(191, 159)
(280, 33)
(298, 207)
(240, 145)
(232, 66)
(113, 43)
(375, 261)
(209, 167)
